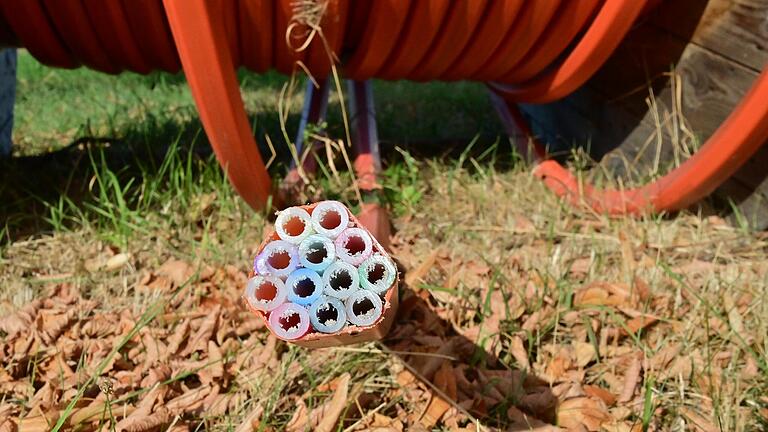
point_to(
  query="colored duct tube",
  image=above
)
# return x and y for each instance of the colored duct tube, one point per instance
(265, 293)
(293, 225)
(330, 218)
(304, 286)
(289, 321)
(354, 246)
(340, 280)
(323, 285)
(363, 307)
(279, 258)
(377, 273)
(317, 252)
(327, 314)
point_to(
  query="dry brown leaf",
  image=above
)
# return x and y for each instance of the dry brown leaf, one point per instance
(751, 369)
(540, 402)
(178, 337)
(7, 410)
(631, 379)
(7, 425)
(189, 401)
(600, 294)
(559, 365)
(642, 289)
(154, 348)
(100, 325)
(582, 412)
(445, 380)
(628, 262)
(595, 391)
(336, 405)
(664, 356)
(199, 341)
(584, 353)
(734, 317)
(433, 363)
(300, 419)
(638, 323)
(435, 410)
(20, 389)
(415, 275)
(175, 270)
(698, 420)
(251, 421)
(145, 422)
(156, 375)
(96, 409)
(519, 352)
(51, 324)
(39, 423)
(524, 422)
(214, 367)
(533, 321)
(46, 397)
(380, 422)
(623, 426)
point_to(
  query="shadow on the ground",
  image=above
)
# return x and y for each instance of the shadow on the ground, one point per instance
(474, 380)
(30, 185)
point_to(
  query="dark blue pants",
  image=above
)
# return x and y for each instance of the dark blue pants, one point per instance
(7, 96)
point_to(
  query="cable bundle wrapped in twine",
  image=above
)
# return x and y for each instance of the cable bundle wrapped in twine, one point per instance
(321, 279)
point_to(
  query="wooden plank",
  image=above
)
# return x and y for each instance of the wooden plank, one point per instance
(711, 85)
(735, 29)
(612, 112)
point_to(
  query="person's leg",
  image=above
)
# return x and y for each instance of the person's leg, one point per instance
(7, 96)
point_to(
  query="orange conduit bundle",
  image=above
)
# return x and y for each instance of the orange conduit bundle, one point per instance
(529, 51)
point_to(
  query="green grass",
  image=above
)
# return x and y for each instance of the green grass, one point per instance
(110, 148)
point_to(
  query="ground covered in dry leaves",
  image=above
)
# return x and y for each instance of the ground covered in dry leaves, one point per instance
(517, 313)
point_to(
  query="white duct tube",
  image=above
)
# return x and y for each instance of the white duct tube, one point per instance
(330, 218)
(363, 308)
(377, 274)
(293, 225)
(327, 314)
(340, 280)
(317, 252)
(265, 293)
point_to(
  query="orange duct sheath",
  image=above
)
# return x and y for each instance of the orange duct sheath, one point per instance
(553, 41)
(285, 55)
(497, 22)
(111, 27)
(385, 21)
(603, 36)
(31, 25)
(205, 56)
(423, 24)
(532, 21)
(149, 27)
(232, 29)
(7, 36)
(71, 22)
(538, 51)
(256, 34)
(463, 18)
(326, 44)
